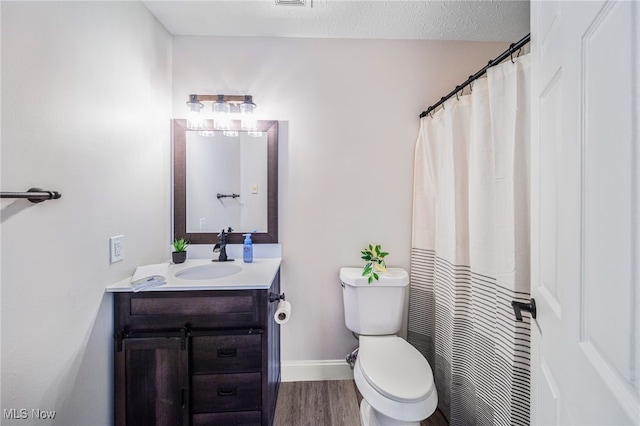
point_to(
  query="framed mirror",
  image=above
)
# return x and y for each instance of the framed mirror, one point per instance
(225, 180)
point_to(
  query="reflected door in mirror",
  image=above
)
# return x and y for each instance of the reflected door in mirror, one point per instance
(226, 182)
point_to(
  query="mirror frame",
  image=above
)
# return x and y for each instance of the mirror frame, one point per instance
(270, 127)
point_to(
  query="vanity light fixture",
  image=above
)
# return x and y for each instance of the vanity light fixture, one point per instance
(224, 107)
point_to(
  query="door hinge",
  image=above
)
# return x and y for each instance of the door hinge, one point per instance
(184, 335)
(118, 336)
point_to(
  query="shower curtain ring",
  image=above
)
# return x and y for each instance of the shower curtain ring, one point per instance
(511, 52)
(457, 98)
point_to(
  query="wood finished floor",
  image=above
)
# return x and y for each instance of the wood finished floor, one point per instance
(326, 403)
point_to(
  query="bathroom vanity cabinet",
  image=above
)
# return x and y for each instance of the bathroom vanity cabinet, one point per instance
(203, 357)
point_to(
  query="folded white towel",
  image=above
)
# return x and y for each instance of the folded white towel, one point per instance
(147, 284)
(149, 276)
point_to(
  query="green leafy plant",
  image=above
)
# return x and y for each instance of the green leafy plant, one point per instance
(180, 245)
(374, 256)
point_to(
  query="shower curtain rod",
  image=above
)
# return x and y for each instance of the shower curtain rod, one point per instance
(504, 55)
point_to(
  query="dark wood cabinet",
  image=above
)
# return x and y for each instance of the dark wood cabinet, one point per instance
(198, 358)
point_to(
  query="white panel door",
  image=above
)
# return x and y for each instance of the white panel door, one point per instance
(585, 212)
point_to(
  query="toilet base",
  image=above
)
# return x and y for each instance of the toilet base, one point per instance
(371, 417)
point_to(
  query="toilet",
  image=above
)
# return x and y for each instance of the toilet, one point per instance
(395, 380)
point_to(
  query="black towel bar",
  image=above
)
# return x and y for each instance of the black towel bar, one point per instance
(35, 195)
(219, 195)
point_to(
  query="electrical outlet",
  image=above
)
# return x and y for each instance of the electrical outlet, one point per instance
(116, 249)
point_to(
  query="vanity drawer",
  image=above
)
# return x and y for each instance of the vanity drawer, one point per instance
(226, 392)
(226, 353)
(200, 309)
(244, 418)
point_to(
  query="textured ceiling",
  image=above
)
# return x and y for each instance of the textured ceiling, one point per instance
(480, 20)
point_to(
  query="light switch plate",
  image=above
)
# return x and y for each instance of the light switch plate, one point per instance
(116, 249)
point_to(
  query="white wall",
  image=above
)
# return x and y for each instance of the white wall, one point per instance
(254, 171)
(349, 111)
(85, 111)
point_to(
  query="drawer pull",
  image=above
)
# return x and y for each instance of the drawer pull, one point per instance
(227, 353)
(227, 391)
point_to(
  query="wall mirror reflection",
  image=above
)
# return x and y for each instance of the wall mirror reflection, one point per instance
(225, 180)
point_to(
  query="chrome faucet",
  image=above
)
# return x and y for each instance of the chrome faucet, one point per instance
(221, 246)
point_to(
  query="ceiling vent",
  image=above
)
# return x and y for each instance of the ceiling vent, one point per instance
(291, 2)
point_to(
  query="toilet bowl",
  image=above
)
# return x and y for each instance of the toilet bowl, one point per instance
(395, 381)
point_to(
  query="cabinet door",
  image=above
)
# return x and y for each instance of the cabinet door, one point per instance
(152, 382)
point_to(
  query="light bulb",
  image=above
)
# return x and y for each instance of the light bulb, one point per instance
(248, 123)
(194, 121)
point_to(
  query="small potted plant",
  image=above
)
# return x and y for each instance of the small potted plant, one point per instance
(179, 254)
(374, 256)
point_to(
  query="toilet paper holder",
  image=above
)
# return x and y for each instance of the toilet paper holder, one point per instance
(273, 297)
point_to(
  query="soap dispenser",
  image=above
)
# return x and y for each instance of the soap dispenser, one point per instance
(247, 250)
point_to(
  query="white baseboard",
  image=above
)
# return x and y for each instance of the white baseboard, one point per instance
(309, 371)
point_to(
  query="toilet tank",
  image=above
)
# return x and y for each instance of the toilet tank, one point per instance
(376, 308)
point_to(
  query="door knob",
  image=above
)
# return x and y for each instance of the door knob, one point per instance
(518, 307)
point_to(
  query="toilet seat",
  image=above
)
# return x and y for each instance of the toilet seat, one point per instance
(394, 368)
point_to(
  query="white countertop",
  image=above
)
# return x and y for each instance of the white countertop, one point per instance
(256, 275)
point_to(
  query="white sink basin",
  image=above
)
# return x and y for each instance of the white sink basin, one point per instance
(208, 272)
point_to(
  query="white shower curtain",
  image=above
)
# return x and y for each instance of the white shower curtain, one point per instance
(470, 249)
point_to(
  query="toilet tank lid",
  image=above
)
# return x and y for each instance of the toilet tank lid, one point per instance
(392, 277)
